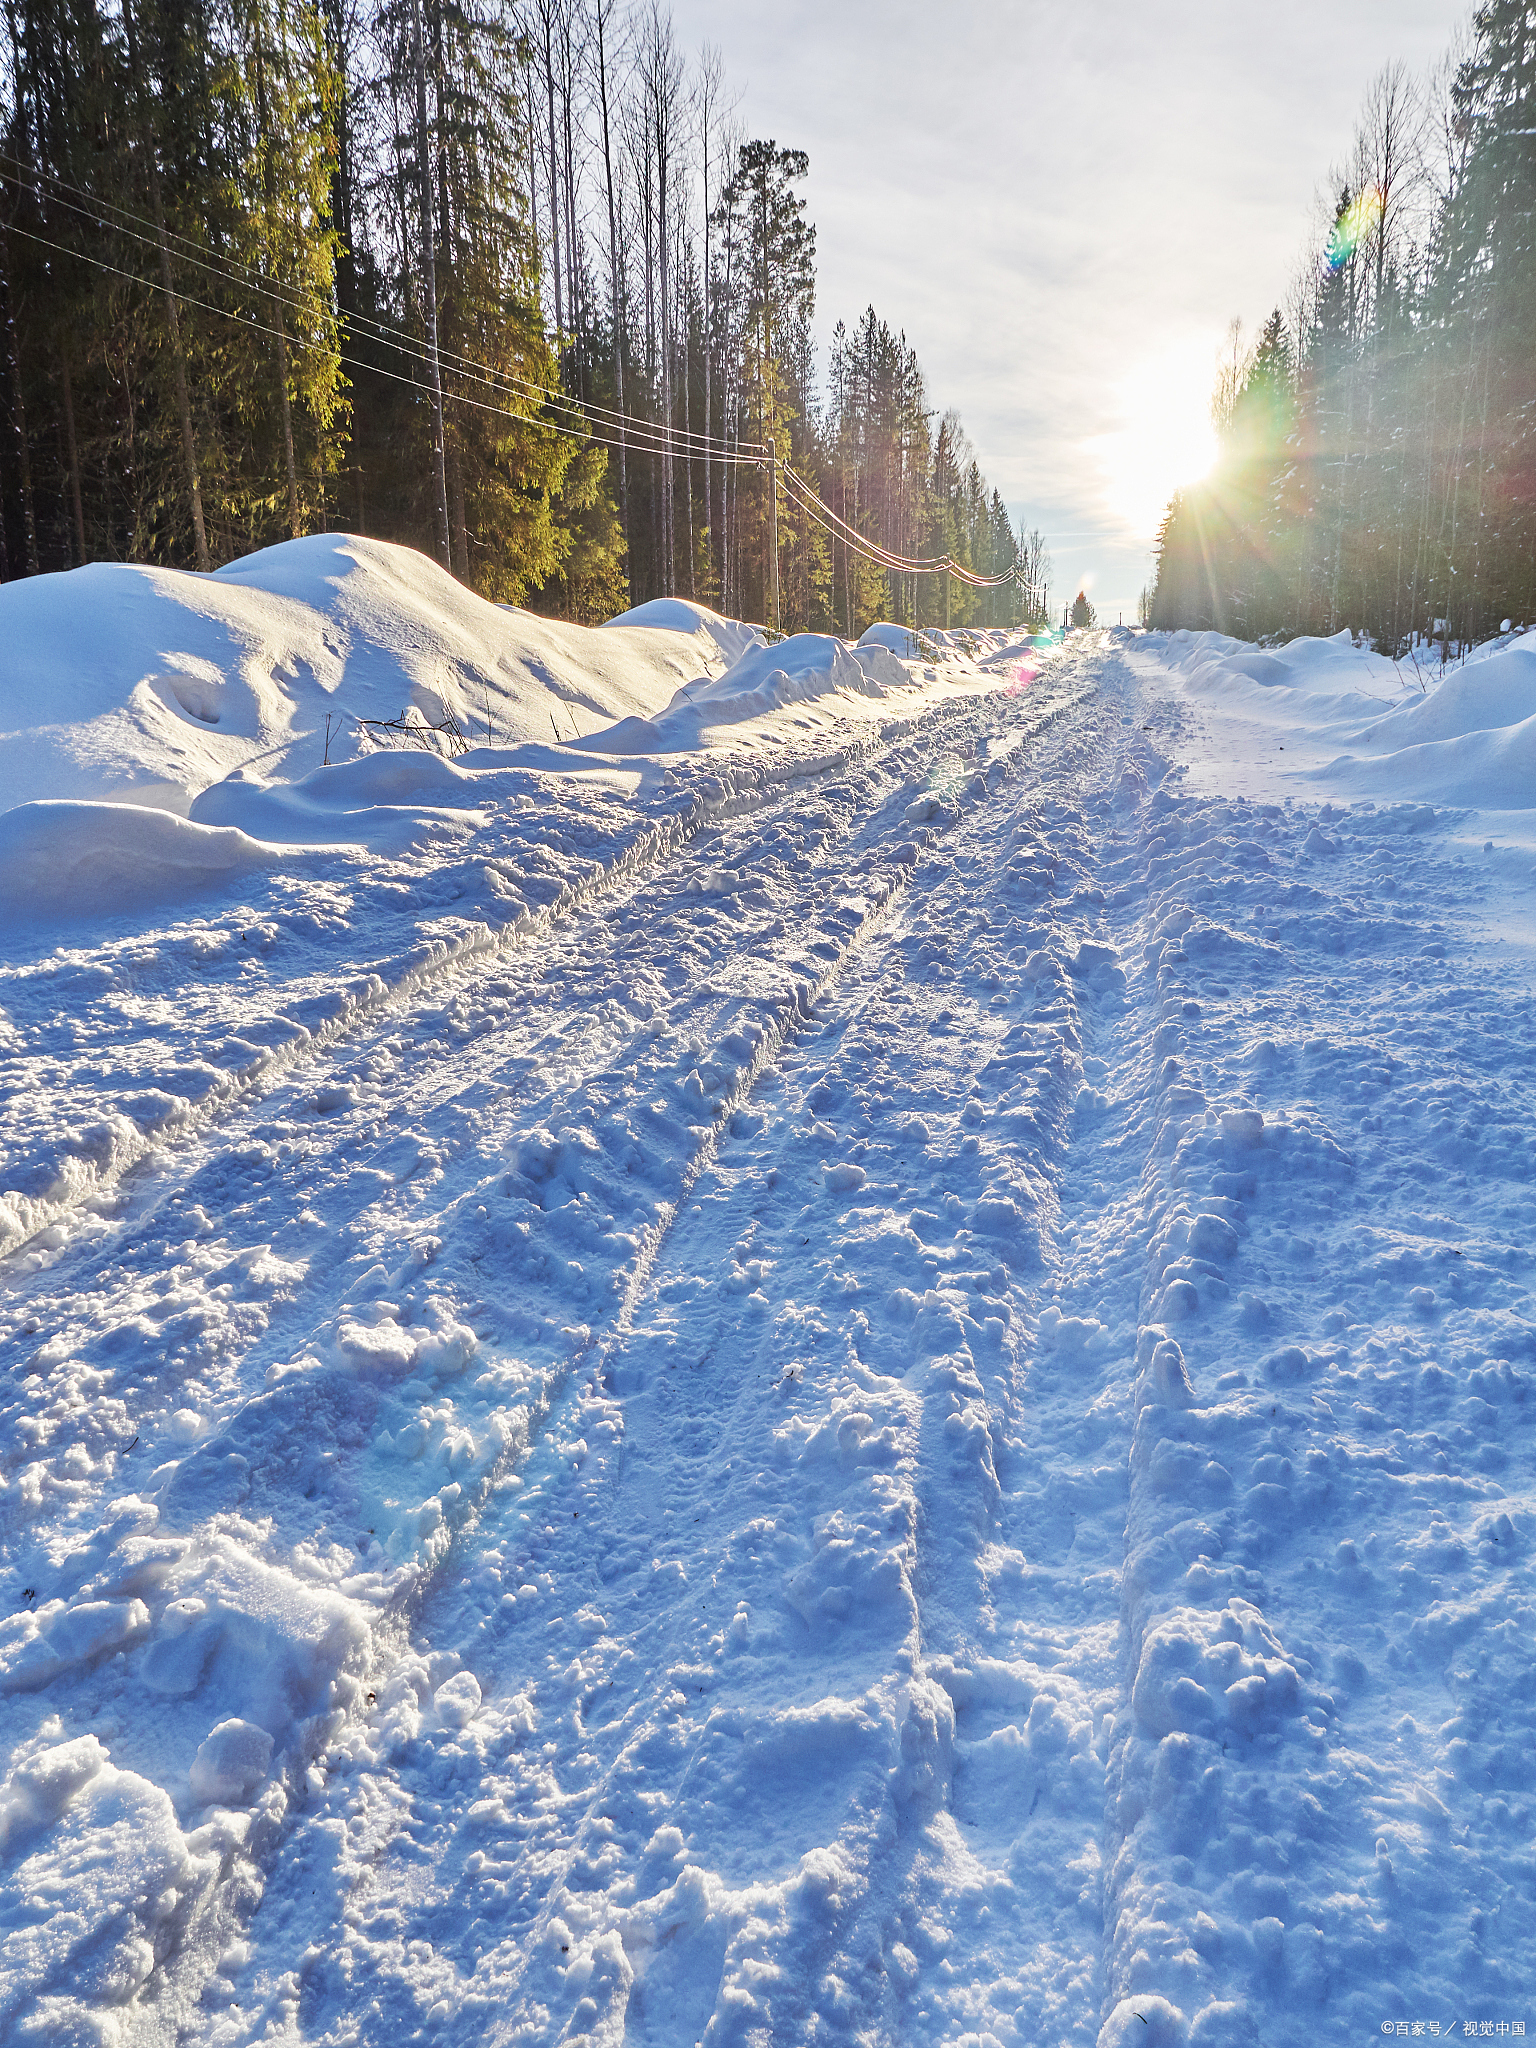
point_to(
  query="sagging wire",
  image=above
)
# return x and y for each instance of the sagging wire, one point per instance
(646, 440)
(808, 500)
(644, 436)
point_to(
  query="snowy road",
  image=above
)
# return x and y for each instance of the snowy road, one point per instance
(908, 1422)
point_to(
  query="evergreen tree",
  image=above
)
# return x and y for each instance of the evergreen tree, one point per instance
(1378, 468)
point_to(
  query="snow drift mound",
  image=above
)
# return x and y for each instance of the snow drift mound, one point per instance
(1332, 669)
(389, 802)
(1469, 739)
(806, 667)
(681, 615)
(1465, 736)
(68, 858)
(144, 685)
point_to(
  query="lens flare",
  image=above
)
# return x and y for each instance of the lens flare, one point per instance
(1353, 225)
(1164, 438)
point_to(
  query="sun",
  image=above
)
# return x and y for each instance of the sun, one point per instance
(1167, 439)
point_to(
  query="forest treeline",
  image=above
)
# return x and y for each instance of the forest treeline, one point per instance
(1377, 464)
(252, 251)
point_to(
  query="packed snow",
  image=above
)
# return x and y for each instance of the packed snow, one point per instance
(845, 1354)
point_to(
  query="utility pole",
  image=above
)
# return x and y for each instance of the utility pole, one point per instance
(773, 525)
(429, 264)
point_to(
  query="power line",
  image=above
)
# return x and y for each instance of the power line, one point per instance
(657, 443)
(809, 501)
(646, 436)
(624, 431)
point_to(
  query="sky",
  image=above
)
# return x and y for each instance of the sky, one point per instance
(1064, 205)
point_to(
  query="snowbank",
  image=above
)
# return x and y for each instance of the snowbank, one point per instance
(384, 801)
(1464, 736)
(805, 668)
(145, 685)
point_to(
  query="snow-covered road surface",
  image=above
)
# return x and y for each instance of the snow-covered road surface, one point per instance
(905, 1418)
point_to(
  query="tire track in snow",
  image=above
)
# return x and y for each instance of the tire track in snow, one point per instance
(595, 1413)
(424, 1096)
(211, 1933)
(23, 1217)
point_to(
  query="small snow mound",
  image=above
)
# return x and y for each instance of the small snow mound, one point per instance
(808, 665)
(1144, 2021)
(231, 1763)
(899, 640)
(68, 857)
(679, 615)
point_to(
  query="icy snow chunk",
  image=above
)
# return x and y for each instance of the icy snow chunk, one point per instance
(1212, 1237)
(231, 1763)
(1282, 1368)
(1178, 1301)
(384, 1347)
(458, 1700)
(925, 1746)
(1199, 1668)
(39, 1789)
(1075, 1336)
(1097, 965)
(446, 1350)
(845, 1177)
(75, 1636)
(100, 1878)
(1242, 1127)
(998, 1216)
(1170, 1377)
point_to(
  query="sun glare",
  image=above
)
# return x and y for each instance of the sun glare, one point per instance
(1167, 439)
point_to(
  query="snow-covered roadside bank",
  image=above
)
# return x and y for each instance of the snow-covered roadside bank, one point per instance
(912, 1427)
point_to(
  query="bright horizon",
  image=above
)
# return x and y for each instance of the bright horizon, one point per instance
(1064, 215)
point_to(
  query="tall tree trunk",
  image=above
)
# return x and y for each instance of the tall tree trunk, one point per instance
(168, 292)
(295, 523)
(429, 287)
(601, 12)
(665, 337)
(688, 464)
(23, 449)
(572, 242)
(460, 520)
(67, 392)
(547, 23)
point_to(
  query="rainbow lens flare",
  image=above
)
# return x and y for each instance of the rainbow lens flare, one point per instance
(1353, 225)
